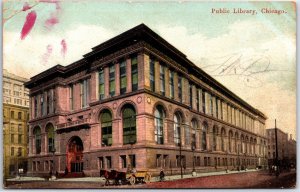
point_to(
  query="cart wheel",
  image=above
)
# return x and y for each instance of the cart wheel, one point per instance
(132, 180)
(147, 178)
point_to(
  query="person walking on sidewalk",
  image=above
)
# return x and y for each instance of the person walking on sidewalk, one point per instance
(161, 175)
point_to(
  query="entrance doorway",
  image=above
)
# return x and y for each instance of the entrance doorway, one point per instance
(75, 155)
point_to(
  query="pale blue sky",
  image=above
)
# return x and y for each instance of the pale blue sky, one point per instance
(207, 39)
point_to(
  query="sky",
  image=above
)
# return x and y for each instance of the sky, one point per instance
(254, 56)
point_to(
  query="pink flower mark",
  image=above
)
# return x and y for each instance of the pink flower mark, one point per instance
(63, 47)
(28, 25)
(47, 55)
(26, 7)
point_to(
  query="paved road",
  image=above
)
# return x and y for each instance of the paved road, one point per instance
(257, 179)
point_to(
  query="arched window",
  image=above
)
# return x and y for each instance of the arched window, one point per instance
(204, 134)
(159, 124)
(106, 128)
(177, 125)
(236, 148)
(223, 134)
(193, 132)
(37, 137)
(50, 136)
(129, 124)
(214, 138)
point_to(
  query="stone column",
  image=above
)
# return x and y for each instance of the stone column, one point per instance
(170, 131)
(194, 95)
(146, 66)
(128, 75)
(141, 78)
(117, 132)
(94, 86)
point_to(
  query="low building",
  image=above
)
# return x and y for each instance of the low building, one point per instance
(137, 101)
(15, 119)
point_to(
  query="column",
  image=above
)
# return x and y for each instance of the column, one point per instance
(194, 94)
(141, 77)
(94, 86)
(146, 65)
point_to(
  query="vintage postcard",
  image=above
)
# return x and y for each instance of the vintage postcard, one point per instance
(149, 94)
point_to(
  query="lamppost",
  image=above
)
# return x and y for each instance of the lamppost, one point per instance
(227, 161)
(193, 149)
(18, 155)
(180, 157)
(53, 165)
(276, 161)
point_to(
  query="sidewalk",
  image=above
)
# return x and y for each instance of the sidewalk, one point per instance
(153, 179)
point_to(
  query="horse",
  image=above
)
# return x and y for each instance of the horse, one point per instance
(114, 176)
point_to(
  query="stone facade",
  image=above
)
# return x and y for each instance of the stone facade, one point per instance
(136, 101)
(15, 119)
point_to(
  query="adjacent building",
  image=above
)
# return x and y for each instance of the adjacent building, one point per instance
(286, 148)
(137, 101)
(15, 119)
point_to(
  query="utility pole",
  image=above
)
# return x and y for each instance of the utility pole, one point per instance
(276, 152)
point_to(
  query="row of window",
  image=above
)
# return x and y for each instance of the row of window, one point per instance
(44, 103)
(20, 138)
(16, 151)
(13, 115)
(50, 138)
(14, 129)
(200, 100)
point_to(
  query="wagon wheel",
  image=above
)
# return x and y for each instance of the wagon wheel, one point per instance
(147, 178)
(132, 180)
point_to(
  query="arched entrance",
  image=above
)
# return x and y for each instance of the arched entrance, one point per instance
(75, 155)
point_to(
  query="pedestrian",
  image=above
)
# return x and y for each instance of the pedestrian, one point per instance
(66, 171)
(161, 175)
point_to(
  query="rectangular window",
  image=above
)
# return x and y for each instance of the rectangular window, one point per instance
(108, 162)
(171, 83)
(20, 139)
(217, 108)
(180, 88)
(132, 160)
(42, 104)
(71, 90)
(162, 79)
(101, 165)
(158, 160)
(123, 78)
(197, 100)
(84, 93)
(205, 161)
(203, 101)
(134, 73)
(211, 106)
(12, 138)
(101, 84)
(112, 84)
(20, 115)
(123, 161)
(152, 74)
(191, 95)
(49, 102)
(165, 160)
(12, 151)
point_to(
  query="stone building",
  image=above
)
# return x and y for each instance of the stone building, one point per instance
(15, 119)
(282, 145)
(292, 151)
(137, 101)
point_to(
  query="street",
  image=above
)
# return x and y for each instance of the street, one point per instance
(256, 179)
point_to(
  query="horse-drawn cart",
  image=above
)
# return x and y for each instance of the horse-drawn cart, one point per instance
(123, 178)
(139, 177)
